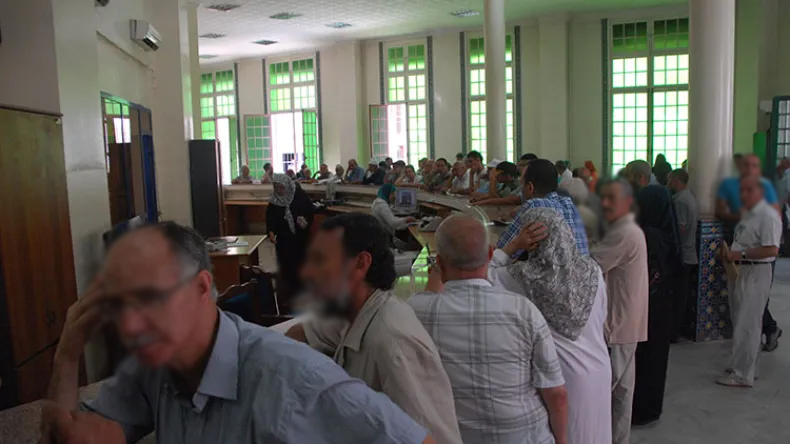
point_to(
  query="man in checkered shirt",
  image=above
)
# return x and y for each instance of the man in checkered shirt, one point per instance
(540, 191)
(495, 345)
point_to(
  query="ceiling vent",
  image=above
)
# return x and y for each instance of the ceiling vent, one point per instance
(285, 16)
(465, 13)
(208, 56)
(212, 36)
(265, 42)
(339, 25)
(223, 7)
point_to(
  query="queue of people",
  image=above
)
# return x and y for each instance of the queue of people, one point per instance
(559, 333)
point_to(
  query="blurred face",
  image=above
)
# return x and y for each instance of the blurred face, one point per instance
(152, 304)
(397, 168)
(388, 160)
(751, 193)
(428, 167)
(324, 169)
(442, 167)
(269, 170)
(613, 203)
(584, 174)
(352, 164)
(421, 163)
(502, 177)
(339, 171)
(245, 171)
(673, 183)
(459, 170)
(750, 166)
(280, 189)
(410, 173)
(329, 275)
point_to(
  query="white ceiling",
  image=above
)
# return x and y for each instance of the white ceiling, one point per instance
(369, 19)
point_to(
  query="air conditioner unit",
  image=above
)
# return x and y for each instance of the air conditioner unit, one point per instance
(144, 35)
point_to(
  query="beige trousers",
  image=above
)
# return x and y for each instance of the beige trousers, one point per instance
(623, 379)
(748, 296)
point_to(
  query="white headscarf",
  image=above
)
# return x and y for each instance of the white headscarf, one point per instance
(285, 201)
(557, 278)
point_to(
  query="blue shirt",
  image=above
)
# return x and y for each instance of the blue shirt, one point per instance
(730, 190)
(355, 175)
(562, 205)
(258, 387)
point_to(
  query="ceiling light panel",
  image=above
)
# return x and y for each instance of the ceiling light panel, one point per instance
(339, 25)
(212, 36)
(285, 16)
(207, 56)
(265, 42)
(465, 13)
(223, 7)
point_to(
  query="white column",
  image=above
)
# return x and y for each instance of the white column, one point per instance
(494, 37)
(194, 130)
(712, 66)
(553, 96)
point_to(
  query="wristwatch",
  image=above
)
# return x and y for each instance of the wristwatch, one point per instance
(743, 254)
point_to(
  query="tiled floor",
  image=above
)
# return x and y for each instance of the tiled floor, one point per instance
(698, 411)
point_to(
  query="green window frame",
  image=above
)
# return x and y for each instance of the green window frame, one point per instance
(649, 78)
(476, 93)
(218, 106)
(407, 83)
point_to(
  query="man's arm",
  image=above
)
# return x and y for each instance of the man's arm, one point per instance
(513, 199)
(556, 399)
(611, 251)
(682, 213)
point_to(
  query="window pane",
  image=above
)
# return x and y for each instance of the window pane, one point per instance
(416, 57)
(395, 59)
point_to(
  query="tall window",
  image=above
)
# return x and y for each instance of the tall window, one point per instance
(288, 136)
(407, 100)
(477, 96)
(218, 118)
(649, 87)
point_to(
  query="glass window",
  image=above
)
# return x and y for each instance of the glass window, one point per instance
(406, 84)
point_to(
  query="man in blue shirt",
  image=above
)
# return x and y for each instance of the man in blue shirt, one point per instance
(197, 375)
(728, 210)
(355, 173)
(540, 191)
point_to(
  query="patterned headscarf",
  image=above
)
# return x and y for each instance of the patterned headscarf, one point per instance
(559, 280)
(285, 201)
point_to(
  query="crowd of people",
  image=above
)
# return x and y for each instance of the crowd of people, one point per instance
(559, 332)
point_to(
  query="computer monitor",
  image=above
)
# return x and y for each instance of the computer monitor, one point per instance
(406, 199)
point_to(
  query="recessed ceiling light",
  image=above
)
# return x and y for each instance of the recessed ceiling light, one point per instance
(465, 13)
(208, 56)
(339, 25)
(223, 7)
(265, 42)
(212, 35)
(285, 16)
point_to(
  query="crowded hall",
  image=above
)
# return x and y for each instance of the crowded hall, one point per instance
(394, 222)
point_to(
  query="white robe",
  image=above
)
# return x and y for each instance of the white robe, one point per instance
(585, 364)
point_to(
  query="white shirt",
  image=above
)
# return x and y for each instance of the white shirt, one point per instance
(460, 182)
(497, 350)
(759, 227)
(567, 174)
(380, 209)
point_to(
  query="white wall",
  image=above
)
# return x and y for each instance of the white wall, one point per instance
(586, 93)
(447, 95)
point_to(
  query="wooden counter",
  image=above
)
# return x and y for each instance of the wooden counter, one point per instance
(226, 263)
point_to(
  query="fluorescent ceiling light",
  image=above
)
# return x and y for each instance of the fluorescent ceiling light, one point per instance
(339, 25)
(212, 35)
(208, 56)
(465, 13)
(223, 7)
(285, 16)
(265, 42)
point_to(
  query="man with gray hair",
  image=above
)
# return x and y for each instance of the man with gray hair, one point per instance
(196, 374)
(495, 345)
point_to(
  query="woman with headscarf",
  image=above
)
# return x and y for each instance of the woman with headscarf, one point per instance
(380, 208)
(593, 175)
(661, 169)
(568, 289)
(288, 219)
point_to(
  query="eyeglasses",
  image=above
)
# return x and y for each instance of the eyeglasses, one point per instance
(143, 301)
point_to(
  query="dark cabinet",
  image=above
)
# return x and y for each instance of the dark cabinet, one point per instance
(205, 179)
(37, 282)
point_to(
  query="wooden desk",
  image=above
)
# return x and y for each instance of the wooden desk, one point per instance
(425, 238)
(348, 209)
(226, 263)
(440, 210)
(239, 213)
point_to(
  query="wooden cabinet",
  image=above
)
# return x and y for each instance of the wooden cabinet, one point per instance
(205, 179)
(37, 282)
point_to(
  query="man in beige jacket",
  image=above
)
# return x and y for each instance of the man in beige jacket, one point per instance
(622, 255)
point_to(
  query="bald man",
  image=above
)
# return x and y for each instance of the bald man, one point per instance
(197, 374)
(729, 210)
(754, 248)
(495, 345)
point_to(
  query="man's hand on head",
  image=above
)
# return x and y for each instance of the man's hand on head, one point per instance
(59, 426)
(83, 318)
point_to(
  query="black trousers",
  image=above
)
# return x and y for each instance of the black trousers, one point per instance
(684, 303)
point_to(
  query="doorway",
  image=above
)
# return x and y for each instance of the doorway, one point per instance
(129, 159)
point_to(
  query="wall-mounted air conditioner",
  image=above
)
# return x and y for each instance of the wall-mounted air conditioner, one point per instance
(144, 35)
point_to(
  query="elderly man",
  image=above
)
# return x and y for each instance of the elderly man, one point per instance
(687, 216)
(508, 187)
(268, 172)
(495, 345)
(245, 176)
(540, 191)
(729, 210)
(372, 334)
(198, 375)
(622, 255)
(355, 173)
(395, 173)
(754, 248)
(460, 178)
(439, 180)
(323, 173)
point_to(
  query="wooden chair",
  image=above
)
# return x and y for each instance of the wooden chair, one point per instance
(231, 300)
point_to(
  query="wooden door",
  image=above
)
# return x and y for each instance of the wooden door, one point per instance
(35, 232)
(118, 183)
